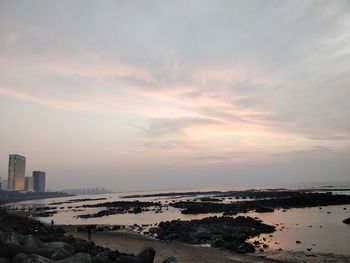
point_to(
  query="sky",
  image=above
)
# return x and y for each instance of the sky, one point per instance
(140, 95)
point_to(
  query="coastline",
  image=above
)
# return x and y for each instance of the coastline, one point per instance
(26, 240)
(123, 238)
(129, 241)
(8, 197)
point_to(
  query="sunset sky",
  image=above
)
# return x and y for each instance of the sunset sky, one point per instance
(133, 95)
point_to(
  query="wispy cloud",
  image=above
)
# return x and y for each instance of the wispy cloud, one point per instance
(225, 156)
(163, 126)
(203, 81)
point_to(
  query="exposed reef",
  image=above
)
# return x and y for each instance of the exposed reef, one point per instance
(221, 232)
(122, 207)
(299, 200)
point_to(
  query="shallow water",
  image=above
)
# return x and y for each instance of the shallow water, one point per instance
(67, 215)
(320, 230)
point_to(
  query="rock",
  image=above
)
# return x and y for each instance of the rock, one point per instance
(170, 260)
(77, 258)
(20, 258)
(46, 252)
(217, 231)
(15, 238)
(113, 254)
(30, 242)
(59, 245)
(346, 221)
(82, 246)
(264, 209)
(9, 250)
(105, 257)
(128, 259)
(147, 255)
(220, 243)
(240, 247)
(61, 254)
(202, 234)
(2, 237)
(39, 259)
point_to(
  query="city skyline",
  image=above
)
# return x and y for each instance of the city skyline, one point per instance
(17, 179)
(133, 96)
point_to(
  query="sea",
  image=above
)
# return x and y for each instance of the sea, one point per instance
(316, 229)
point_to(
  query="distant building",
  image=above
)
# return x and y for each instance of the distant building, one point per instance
(39, 181)
(16, 172)
(29, 183)
(4, 185)
(84, 191)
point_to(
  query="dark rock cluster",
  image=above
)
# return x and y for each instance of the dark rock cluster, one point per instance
(210, 199)
(122, 207)
(78, 200)
(300, 200)
(221, 232)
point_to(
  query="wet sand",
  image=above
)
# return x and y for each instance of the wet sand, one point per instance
(130, 242)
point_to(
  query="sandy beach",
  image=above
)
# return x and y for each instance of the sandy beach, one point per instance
(130, 242)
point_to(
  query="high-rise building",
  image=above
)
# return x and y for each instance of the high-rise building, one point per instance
(4, 185)
(28, 183)
(39, 181)
(16, 172)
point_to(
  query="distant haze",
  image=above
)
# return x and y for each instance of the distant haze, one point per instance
(176, 94)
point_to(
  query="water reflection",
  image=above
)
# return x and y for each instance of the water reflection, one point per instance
(318, 230)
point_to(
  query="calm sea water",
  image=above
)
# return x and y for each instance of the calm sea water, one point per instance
(319, 230)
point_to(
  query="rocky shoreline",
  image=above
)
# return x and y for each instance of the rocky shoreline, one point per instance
(224, 232)
(26, 240)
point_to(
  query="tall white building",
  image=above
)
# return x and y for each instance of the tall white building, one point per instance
(16, 172)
